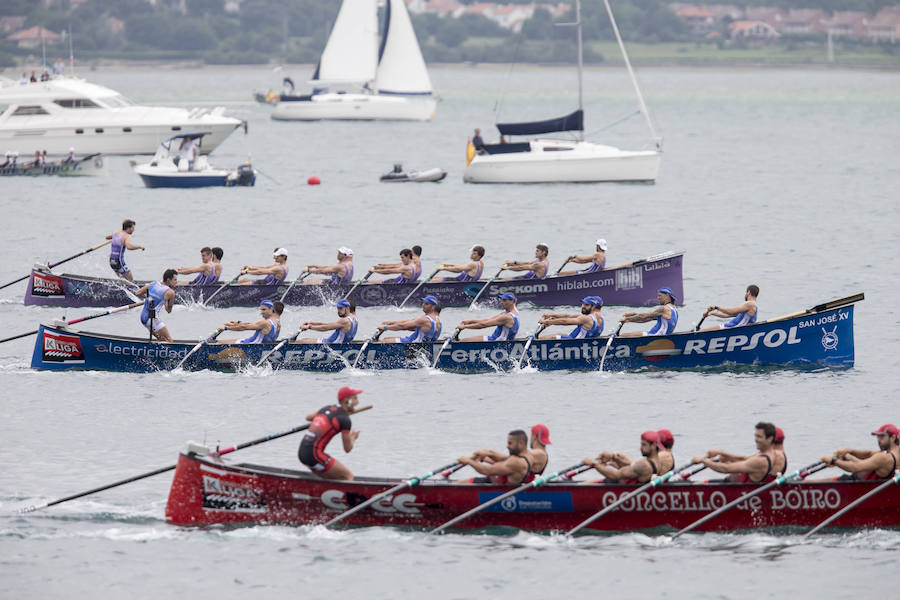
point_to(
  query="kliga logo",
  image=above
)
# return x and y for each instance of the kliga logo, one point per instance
(58, 347)
(46, 285)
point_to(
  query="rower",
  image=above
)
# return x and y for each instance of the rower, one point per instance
(758, 468)
(779, 463)
(666, 457)
(666, 315)
(513, 468)
(265, 331)
(327, 422)
(540, 439)
(344, 328)
(158, 294)
(869, 465)
(588, 324)
(619, 468)
(779, 447)
(206, 272)
(69, 158)
(470, 271)
(217, 253)
(743, 314)
(537, 268)
(121, 241)
(274, 274)
(425, 328)
(341, 271)
(597, 260)
(506, 323)
(405, 270)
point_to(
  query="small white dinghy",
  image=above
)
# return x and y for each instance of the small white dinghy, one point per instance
(397, 175)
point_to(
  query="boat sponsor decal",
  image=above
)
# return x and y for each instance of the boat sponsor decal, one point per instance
(659, 264)
(519, 290)
(630, 278)
(405, 504)
(658, 350)
(772, 338)
(222, 494)
(229, 357)
(46, 285)
(553, 351)
(800, 498)
(140, 351)
(529, 502)
(829, 338)
(324, 356)
(59, 347)
(580, 284)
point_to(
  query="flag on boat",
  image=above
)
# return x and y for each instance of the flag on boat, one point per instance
(470, 152)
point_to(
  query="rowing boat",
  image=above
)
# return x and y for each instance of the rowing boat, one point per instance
(88, 165)
(821, 339)
(634, 284)
(209, 491)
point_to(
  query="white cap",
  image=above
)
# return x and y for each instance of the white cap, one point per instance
(8, 153)
(345, 251)
(72, 149)
(602, 243)
(280, 252)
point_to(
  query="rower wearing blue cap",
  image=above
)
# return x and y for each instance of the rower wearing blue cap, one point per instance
(666, 315)
(426, 328)
(588, 324)
(265, 331)
(506, 323)
(344, 329)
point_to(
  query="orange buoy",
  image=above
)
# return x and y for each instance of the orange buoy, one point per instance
(313, 180)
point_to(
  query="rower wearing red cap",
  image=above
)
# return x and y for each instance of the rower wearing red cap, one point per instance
(540, 439)
(666, 458)
(514, 468)
(869, 465)
(757, 468)
(618, 467)
(327, 422)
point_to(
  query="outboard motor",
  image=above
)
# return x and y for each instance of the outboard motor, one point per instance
(398, 167)
(245, 175)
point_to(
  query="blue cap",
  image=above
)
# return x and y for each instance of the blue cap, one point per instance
(429, 300)
(342, 303)
(507, 296)
(668, 290)
(592, 300)
(268, 303)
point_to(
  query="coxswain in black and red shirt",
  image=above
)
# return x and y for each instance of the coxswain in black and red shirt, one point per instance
(619, 468)
(327, 422)
(513, 469)
(869, 465)
(757, 468)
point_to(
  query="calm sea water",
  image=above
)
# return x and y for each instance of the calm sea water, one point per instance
(787, 179)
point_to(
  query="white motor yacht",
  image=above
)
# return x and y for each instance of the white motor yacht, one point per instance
(69, 112)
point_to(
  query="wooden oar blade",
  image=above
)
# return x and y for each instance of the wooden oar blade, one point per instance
(822, 307)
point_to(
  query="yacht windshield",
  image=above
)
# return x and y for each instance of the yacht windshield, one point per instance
(76, 103)
(117, 101)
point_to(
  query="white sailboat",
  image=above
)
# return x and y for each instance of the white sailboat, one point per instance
(546, 160)
(391, 79)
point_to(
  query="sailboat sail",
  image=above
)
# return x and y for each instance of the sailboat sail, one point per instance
(570, 122)
(401, 69)
(350, 55)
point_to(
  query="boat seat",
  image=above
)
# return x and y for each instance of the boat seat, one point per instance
(201, 163)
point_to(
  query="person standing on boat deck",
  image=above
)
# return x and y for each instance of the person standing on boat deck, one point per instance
(666, 458)
(588, 324)
(206, 272)
(597, 260)
(426, 328)
(327, 422)
(341, 272)
(274, 274)
(618, 467)
(470, 271)
(666, 315)
(265, 331)
(187, 151)
(59, 67)
(121, 241)
(540, 439)
(513, 468)
(506, 323)
(159, 294)
(478, 142)
(758, 468)
(405, 270)
(537, 268)
(344, 328)
(869, 465)
(743, 314)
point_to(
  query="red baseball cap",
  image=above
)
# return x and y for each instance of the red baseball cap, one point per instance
(779, 435)
(345, 392)
(888, 429)
(541, 432)
(652, 437)
(665, 436)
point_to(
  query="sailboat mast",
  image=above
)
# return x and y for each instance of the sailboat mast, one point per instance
(580, 64)
(634, 82)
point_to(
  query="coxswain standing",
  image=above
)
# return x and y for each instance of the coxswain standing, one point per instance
(619, 468)
(344, 328)
(597, 260)
(470, 271)
(758, 468)
(327, 422)
(275, 273)
(666, 315)
(265, 331)
(121, 241)
(537, 268)
(588, 324)
(426, 328)
(158, 294)
(206, 272)
(506, 323)
(869, 465)
(504, 469)
(341, 271)
(743, 314)
(540, 439)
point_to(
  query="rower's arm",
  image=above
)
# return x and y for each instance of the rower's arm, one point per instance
(204, 268)
(454, 268)
(749, 465)
(170, 300)
(409, 324)
(325, 270)
(260, 325)
(501, 319)
(632, 317)
(582, 259)
(487, 453)
(499, 468)
(390, 269)
(851, 464)
(633, 471)
(143, 291)
(126, 241)
(515, 265)
(342, 324)
(565, 320)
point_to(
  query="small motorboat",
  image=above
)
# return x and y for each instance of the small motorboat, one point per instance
(398, 175)
(178, 163)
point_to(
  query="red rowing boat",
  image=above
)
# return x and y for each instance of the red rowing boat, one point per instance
(208, 490)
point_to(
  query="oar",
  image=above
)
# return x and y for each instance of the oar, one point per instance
(74, 256)
(413, 481)
(860, 500)
(824, 306)
(609, 343)
(416, 289)
(538, 481)
(223, 286)
(302, 276)
(561, 267)
(79, 320)
(279, 346)
(171, 467)
(373, 338)
(654, 481)
(356, 285)
(799, 474)
(530, 339)
(489, 282)
(699, 323)
(450, 338)
(207, 340)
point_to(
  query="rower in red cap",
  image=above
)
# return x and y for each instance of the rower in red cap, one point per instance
(540, 439)
(869, 465)
(618, 467)
(666, 458)
(327, 422)
(757, 468)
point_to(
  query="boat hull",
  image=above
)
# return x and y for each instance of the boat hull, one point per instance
(365, 107)
(629, 285)
(92, 166)
(823, 339)
(207, 491)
